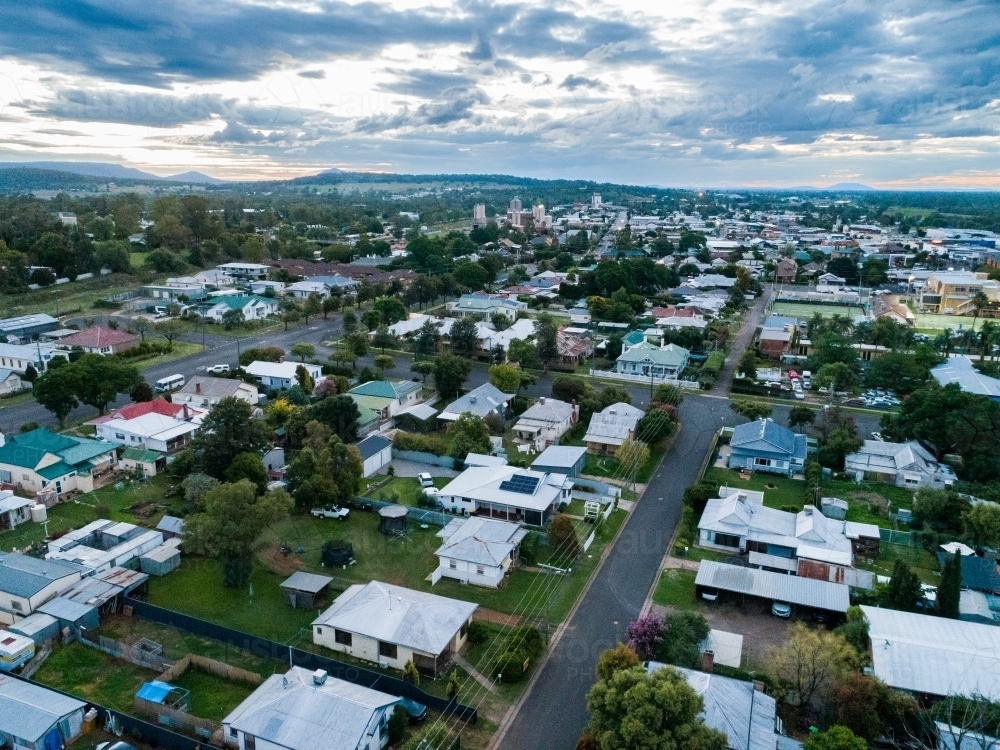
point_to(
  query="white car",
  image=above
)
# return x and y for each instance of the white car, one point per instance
(217, 368)
(781, 609)
(426, 480)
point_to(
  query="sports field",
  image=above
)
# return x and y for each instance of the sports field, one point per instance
(931, 322)
(808, 309)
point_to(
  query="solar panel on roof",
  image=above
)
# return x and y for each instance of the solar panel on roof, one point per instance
(521, 484)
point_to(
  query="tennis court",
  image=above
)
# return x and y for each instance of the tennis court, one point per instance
(933, 322)
(808, 309)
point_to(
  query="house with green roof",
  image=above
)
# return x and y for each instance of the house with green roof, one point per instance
(387, 397)
(42, 460)
(646, 360)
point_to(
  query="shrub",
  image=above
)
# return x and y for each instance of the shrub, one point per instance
(261, 354)
(398, 723)
(713, 363)
(408, 441)
(477, 632)
(344, 372)
(410, 673)
(28, 427)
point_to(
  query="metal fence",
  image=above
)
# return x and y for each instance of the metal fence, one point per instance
(297, 657)
(128, 653)
(420, 515)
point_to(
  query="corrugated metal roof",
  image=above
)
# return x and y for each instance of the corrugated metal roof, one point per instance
(309, 582)
(372, 445)
(934, 655)
(807, 592)
(22, 575)
(29, 711)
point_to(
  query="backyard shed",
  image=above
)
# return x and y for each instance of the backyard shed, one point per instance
(160, 561)
(71, 614)
(561, 459)
(833, 507)
(171, 527)
(38, 627)
(143, 461)
(779, 587)
(392, 520)
(30, 713)
(303, 589)
(376, 452)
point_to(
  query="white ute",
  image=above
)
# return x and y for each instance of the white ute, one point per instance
(331, 511)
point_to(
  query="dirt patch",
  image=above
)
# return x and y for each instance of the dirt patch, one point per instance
(498, 618)
(143, 510)
(875, 502)
(278, 563)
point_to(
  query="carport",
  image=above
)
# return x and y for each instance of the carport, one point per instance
(764, 584)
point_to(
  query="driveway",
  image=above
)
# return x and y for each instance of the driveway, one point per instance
(413, 468)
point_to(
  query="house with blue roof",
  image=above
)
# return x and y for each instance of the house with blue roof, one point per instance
(42, 460)
(766, 446)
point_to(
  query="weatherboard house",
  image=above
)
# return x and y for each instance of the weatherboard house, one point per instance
(766, 446)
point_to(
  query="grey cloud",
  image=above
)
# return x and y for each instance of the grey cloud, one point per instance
(317, 74)
(236, 132)
(573, 82)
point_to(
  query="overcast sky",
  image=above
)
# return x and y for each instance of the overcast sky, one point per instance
(663, 92)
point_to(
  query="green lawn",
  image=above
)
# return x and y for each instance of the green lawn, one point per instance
(56, 300)
(808, 309)
(779, 492)
(94, 675)
(698, 553)
(676, 589)
(405, 490)
(212, 697)
(609, 466)
(104, 502)
(921, 561)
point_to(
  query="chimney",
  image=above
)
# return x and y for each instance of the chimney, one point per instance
(319, 676)
(197, 387)
(542, 400)
(281, 359)
(708, 661)
(472, 399)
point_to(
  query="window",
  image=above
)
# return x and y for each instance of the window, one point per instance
(249, 742)
(342, 637)
(762, 462)
(319, 631)
(16, 605)
(388, 650)
(233, 732)
(727, 540)
(452, 564)
(479, 570)
(120, 435)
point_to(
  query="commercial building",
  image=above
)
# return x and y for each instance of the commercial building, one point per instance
(27, 327)
(961, 371)
(391, 625)
(952, 292)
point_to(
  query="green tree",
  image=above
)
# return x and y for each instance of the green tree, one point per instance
(811, 661)
(56, 390)
(903, 590)
(453, 685)
(464, 341)
(101, 379)
(800, 416)
(371, 319)
(424, 368)
(524, 353)
(226, 431)
(836, 376)
(383, 340)
(752, 410)
(350, 321)
(141, 392)
(303, 351)
(980, 302)
(384, 362)
(546, 338)
(305, 381)
(426, 342)
(681, 644)
(330, 305)
(561, 535)
(390, 310)
(230, 526)
(232, 319)
(450, 372)
(312, 306)
(357, 344)
(248, 466)
(615, 660)
(340, 413)
(950, 588)
(468, 434)
(982, 525)
(632, 455)
(632, 709)
(506, 378)
(410, 673)
(748, 364)
(835, 738)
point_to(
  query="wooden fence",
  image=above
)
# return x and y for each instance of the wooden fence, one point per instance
(218, 668)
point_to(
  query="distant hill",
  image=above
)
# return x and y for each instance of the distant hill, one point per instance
(108, 171)
(25, 180)
(856, 186)
(195, 177)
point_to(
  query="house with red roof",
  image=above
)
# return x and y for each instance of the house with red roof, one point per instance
(157, 406)
(100, 340)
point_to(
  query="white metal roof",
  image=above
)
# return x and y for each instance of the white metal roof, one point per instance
(483, 484)
(29, 711)
(479, 540)
(934, 655)
(414, 619)
(808, 592)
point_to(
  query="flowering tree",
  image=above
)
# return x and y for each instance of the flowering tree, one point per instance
(645, 634)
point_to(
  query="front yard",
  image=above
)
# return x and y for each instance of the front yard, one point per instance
(403, 490)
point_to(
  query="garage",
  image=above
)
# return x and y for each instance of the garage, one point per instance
(715, 579)
(376, 452)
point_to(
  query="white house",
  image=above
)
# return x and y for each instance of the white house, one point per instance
(906, 464)
(245, 271)
(281, 375)
(303, 710)
(489, 337)
(10, 381)
(485, 306)
(482, 401)
(303, 289)
(478, 550)
(547, 420)
(17, 357)
(611, 427)
(391, 625)
(508, 493)
(648, 360)
(253, 308)
(376, 452)
(152, 431)
(26, 583)
(43, 460)
(202, 392)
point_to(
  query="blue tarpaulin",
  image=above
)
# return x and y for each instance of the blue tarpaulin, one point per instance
(154, 691)
(53, 740)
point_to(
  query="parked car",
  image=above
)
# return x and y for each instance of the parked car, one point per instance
(117, 745)
(426, 480)
(217, 368)
(331, 511)
(781, 609)
(416, 711)
(710, 595)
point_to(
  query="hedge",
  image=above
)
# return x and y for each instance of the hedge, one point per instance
(432, 443)
(713, 364)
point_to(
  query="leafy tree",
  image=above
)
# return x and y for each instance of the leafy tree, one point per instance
(424, 368)
(939, 510)
(339, 413)
(399, 721)
(546, 338)
(836, 376)
(982, 525)
(450, 372)
(325, 474)
(752, 410)
(350, 321)
(453, 685)
(303, 351)
(232, 319)
(226, 431)
(835, 738)
(390, 310)
(632, 454)
(524, 353)
(507, 378)
(330, 305)
(248, 466)
(681, 645)
(141, 392)
(384, 362)
(261, 354)
(56, 390)
(562, 538)
(101, 379)
(357, 344)
(800, 416)
(616, 659)
(171, 330)
(632, 709)
(903, 591)
(30, 373)
(383, 340)
(195, 486)
(748, 364)
(811, 661)
(645, 634)
(427, 340)
(855, 629)
(667, 394)
(950, 588)
(658, 423)
(230, 526)
(464, 341)
(371, 319)
(468, 434)
(305, 382)
(410, 673)
(312, 306)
